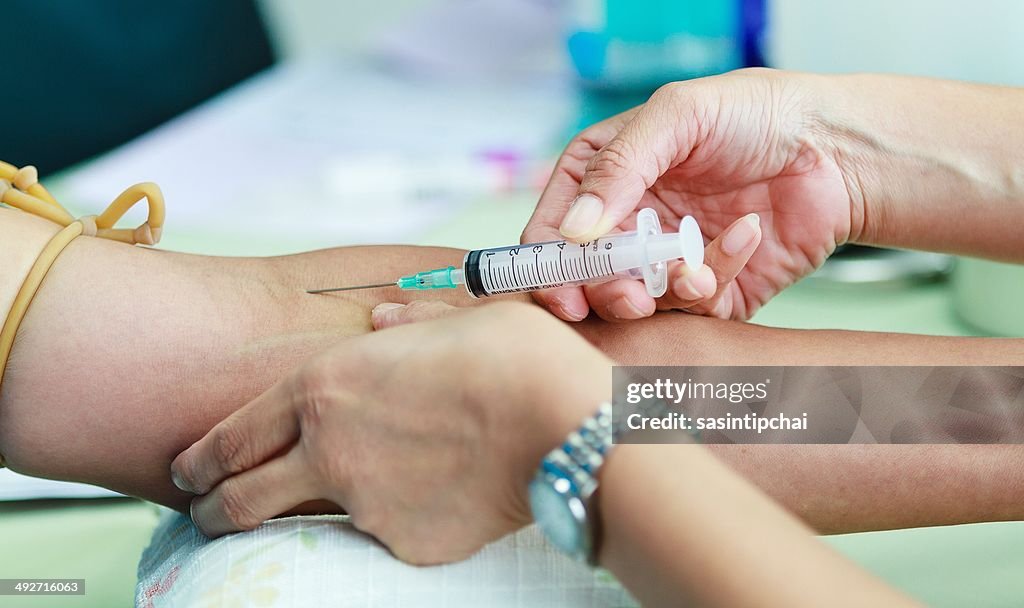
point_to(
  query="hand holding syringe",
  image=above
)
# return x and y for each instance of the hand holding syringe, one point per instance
(641, 254)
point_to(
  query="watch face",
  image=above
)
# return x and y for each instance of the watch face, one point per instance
(559, 514)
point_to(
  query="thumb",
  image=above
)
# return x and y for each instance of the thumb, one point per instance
(390, 314)
(656, 139)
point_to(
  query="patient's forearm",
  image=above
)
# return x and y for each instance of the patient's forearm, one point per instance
(854, 488)
(128, 355)
(845, 488)
(676, 338)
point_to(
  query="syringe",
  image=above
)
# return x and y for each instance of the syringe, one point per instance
(640, 254)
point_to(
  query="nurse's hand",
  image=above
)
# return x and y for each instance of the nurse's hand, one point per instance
(719, 149)
(426, 434)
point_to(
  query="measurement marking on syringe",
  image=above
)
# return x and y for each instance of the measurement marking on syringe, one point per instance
(597, 260)
(567, 268)
(552, 271)
(543, 265)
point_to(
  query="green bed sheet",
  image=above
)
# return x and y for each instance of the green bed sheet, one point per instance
(976, 565)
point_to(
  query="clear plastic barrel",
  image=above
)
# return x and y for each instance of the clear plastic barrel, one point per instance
(639, 255)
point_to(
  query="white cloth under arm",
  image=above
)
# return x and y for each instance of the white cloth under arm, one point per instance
(322, 561)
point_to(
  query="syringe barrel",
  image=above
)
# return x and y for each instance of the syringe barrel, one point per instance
(551, 264)
(644, 254)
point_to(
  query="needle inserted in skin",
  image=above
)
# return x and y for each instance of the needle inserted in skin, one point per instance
(350, 288)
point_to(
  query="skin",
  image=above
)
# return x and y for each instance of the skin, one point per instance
(437, 473)
(878, 160)
(820, 165)
(849, 488)
(823, 161)
(66, 398)
(732, 556)
(157, 347)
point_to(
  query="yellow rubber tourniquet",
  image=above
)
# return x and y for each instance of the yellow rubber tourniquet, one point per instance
(20, 189)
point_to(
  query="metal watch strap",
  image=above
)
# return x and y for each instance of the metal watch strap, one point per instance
(578, 460)
(584, 449)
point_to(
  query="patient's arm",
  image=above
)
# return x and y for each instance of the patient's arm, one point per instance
(129, 355)
(846, 488)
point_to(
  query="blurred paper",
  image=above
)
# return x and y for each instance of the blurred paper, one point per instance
(275, 153)
(19, 487)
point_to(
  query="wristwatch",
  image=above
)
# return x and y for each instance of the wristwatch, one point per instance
(562, 493)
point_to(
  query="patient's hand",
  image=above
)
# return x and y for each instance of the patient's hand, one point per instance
(129, 355)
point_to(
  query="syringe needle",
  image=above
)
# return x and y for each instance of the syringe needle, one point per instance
(332, 289)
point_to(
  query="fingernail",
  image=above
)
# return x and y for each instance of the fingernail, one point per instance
(567, 313)
(624, 308)
(572, 315)
(379, 314)
(195, 520)
(685, 289)
(179, 482)
(741, 235)
(384, 307)
(583, 215)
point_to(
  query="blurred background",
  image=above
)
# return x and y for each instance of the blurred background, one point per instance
(276, 126)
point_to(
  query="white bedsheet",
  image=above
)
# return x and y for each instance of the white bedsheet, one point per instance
(323, 561)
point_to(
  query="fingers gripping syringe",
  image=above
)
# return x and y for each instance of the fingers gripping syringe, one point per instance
(642, 254)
